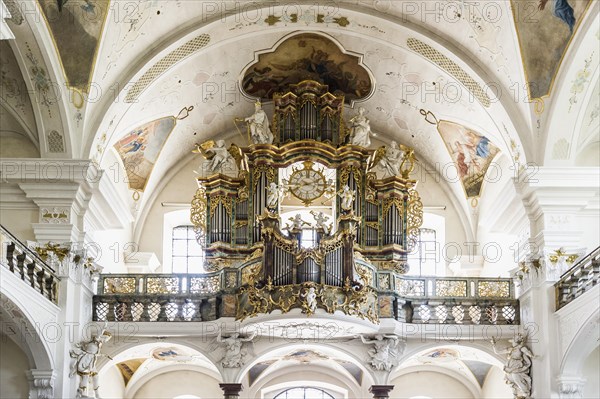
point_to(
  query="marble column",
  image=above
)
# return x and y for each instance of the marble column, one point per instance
(231, 391)
(381, 391)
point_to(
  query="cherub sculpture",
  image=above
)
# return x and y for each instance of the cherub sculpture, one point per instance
(347, 198)
(311, 300)
(235, 353)
(517, 366)
(321, 219)
(386, 351)
(86, 353)
(273, 194)
(219, 159)
(297, 223)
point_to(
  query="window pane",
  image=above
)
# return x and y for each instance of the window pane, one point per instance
(179, 247)
(194, 249)
(180, 232)
(179, 264)
(196, 264)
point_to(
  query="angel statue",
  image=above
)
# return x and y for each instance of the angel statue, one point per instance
(517, 366)
(360, 130)
(311, 300)
(386, 351)
(321, 219)
(297, 223)
(219, 159)
(347, 197)
(393, 160)
(86, 354)
(273, 194)
(260, 132)
(235, 353)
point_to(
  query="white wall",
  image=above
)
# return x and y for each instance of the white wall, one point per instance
(429, 383)
(18, 222)
(112, 385)
(176, 383)
(13, 368)
(494, 385)
(591, 371)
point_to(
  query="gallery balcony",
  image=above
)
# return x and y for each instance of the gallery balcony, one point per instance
(210, 296)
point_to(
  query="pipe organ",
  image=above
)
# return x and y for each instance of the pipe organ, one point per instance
(239, 216)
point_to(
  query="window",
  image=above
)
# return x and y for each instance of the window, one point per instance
(303, 393)
(422, 260)
(188, 255)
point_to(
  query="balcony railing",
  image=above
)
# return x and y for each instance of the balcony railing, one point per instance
(580, 278)
(28, 266)
(202, 297)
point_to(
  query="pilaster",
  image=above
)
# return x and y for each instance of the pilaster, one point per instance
(571, 387)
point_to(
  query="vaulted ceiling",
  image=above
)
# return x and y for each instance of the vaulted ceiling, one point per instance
(99, 70)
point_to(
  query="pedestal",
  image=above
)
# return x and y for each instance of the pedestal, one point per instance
(381, 391)
(231, 391)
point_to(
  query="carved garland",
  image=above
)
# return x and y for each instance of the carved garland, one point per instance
(415, 217)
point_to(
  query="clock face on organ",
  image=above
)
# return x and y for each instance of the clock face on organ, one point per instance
(307, 184)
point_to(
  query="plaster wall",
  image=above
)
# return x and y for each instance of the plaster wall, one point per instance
(13, 366)
(429, 384)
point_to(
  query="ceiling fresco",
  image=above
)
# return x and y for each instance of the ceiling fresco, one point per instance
(140, 148)
(545, 29)
(76, 27)
(471, 152)
(303, 57)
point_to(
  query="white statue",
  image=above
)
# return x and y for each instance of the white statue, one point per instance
(391, 160)
(219, 159)
(347, 197)
(311, 299)
(517, 366)
(235, 353)
(273, 194)
(297, 223)
(386, 352)
(321, 219)
(86, 354)
(360, 130)
(260, 132)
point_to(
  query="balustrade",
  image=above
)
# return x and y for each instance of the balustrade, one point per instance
(28, 266)
(580, 278)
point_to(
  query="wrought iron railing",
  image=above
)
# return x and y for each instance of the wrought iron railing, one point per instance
(28, 266)
(580, 278)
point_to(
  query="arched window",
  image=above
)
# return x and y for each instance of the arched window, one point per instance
(422, 259)
(303, 393)
(188, 255)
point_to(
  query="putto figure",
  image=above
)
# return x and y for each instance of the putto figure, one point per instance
(311, 300)
(260, 132)
(518, 365)
(273, 194)
(386, 351)
(360, 130)
(321, 219)
(347, 197)
(235, 353)
(86, 353)
(219, 159)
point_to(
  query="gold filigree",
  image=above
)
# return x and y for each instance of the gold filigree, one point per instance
(451, 288)
(225, 200)
(56, 249)
(216, 264)
(495, 289)
(388, 202)
(415, 217)
(365, 274)
(414, 288)
(119, 285)
(258, 253)
(162, 285)
(262, 168)
(198, 210)
(345, 175)
(205, 285)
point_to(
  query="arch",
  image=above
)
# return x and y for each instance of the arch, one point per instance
(581, 346)
(23, 329)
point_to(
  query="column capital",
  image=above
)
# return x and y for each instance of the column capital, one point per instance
(381, 391)
(230, 390)
(571, 387)
(41, 384)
